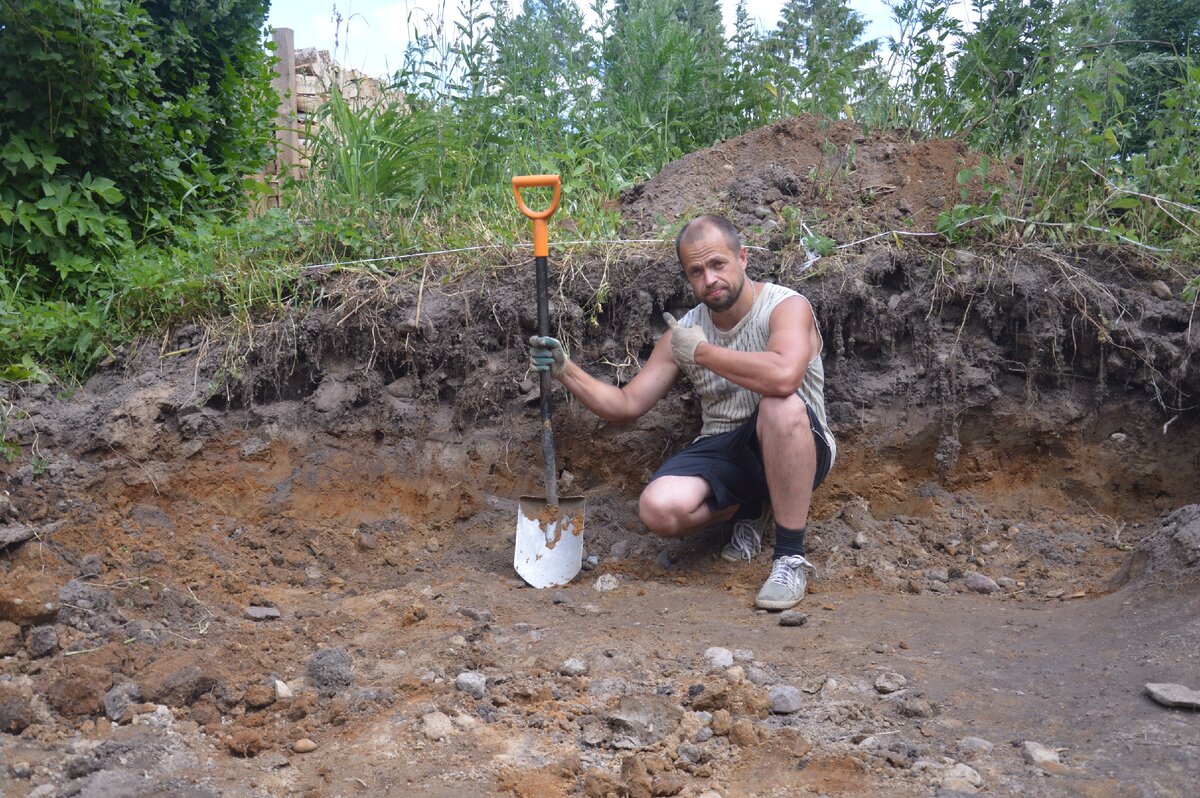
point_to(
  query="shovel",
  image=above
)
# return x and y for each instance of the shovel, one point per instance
(549, 550)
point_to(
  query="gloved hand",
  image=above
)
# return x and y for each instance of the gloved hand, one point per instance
(547, 353)
(684, 341)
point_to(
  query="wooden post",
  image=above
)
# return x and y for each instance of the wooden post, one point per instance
(286, 134)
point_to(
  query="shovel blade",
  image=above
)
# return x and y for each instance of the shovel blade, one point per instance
(549, 550)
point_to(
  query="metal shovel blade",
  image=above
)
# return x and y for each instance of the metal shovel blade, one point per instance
(549, 550)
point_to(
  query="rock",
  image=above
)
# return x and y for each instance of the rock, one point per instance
(860, 540)
(721, 722)
(718, 657)
(916, 708)
(245, 742)
(758, 676)
(304, 746)
(938, 575)
(282, 691)
(118, 699)
(890, 682)
(559, 597)
(28, 601)
(10, 638)
(259, 696)
(1006, 582)
(642, 720)
(709, 794)
(762, 211)
(989, 548)
(573, 667)
(980, 583)
(1161, 290)
(81, 693)
(16, 713)
(1174, 695)
(15, 533)
(975, 746)
(663, 560)
(793, 618)
(473, 683)
(436, 726)
(735, 674)
(620, 550)
(20, 770)
(1038, 754)
(481, 616)
(743, 733)
(260, 613)
(605, 583)
(274, 761)
(331, 670)
(785, 699)
(961, 778)
(43, 641)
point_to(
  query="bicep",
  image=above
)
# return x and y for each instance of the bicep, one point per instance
(790, 335)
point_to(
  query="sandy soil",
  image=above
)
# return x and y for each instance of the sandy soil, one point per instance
(210, 557)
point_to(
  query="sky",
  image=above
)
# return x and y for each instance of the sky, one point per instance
(373, 33)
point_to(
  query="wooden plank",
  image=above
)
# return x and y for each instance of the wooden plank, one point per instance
(286, 133)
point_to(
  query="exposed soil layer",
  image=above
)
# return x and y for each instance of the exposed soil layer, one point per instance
(212, 558)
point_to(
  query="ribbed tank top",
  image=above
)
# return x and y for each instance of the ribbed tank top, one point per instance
(724, 404)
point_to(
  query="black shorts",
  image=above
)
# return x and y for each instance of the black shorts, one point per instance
(731, 463)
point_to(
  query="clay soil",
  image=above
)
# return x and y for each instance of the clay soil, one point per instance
(220, 546)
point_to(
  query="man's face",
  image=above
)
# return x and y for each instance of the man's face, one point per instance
(716, 273)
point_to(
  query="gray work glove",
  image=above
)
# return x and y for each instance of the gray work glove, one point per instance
(547, 353)
(684, 341)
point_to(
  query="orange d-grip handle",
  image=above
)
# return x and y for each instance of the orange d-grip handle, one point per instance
(541, 230)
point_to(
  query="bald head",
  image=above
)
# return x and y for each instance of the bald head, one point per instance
(701, 226)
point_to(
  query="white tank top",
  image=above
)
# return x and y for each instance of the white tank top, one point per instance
(726, 405)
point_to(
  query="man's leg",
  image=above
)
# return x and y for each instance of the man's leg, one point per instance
(673, 506)
(789, 456)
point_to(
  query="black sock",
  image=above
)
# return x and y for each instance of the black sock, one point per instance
(788, 541)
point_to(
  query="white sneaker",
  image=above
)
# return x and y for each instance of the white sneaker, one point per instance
(746, 541)
(786, 585)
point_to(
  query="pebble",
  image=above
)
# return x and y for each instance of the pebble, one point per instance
(260, 613)
(663, 560)
(1174, 695)
(605, 583)
(1161, 290)
(704, 735)
(436, 726)
(718, 657)
(793, 618)
(482, 616)
(980, 583)
(1006, 582)
(890, 682)
(593, 560)
(785, 699)
(938, 574)
(620, 550)
(709, 794)
(473, 683)
(282, 691)
(989, 548)
(304, 746)
(573, 667)
(1038, 754)
(742, 655)
(735, 674)
(860, 541)
(757, 676)
(43, 641)
(742, 733)
(20, 770)
(722, 722)
(975, 745)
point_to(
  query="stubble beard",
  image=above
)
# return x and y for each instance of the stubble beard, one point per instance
(731, 297)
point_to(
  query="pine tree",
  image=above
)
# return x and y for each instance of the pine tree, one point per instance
(818, 56)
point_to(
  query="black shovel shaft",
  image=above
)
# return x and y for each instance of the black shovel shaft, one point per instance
(543, 309)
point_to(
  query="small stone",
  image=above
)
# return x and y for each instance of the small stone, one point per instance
(975, 746)
(860, 541)
(916, 708)
(432, 545)
(762, 212)
(704, 734)
(1174, 695)
(246, 742)
(1161, 289)
(304, 746)
(1006, 582)
(43, 641)
(473, 683)
(482, 616)
(758, 676)
(793, 618)
(566, 479)
(743, 733)
(663, 560)
(722, 722)
(465, 722)
(118, 699)
(273, 761)
(331, 669)
(91, 566)
(735, 674)
(282, 691)
(890, 683)
(718, 657)
(620, 550)
(938, 575)
(961, 778)
(260, 613)
(1038, 754)
(573, 667)
(989, 548)
(785, 699)
(593, 560)
(979, 583)
(605, 583)
(20, 770)
(743, 655)
(259, 696)
(437, 726)
(1013, 531)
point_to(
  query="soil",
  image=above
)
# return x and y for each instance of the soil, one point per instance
(223, 551)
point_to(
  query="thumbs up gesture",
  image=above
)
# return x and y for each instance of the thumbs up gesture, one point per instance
(684, 341)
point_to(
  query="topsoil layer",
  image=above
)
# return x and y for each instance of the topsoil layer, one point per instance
(220, 547)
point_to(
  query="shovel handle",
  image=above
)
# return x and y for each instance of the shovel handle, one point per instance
(541, 230)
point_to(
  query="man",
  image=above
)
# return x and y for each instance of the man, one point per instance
(753, 352)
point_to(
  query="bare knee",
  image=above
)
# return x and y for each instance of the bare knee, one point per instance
(661, 513)
(778, 414)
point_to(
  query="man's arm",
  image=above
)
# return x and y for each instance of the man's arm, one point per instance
(778, 370)
(635, 398)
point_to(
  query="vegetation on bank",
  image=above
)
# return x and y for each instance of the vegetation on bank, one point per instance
(127, 127)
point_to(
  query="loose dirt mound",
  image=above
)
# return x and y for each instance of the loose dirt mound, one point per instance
(219, 562)
(816, 170)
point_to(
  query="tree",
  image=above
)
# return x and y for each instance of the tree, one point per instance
(817, 56)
